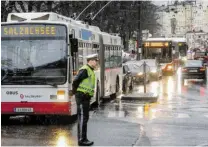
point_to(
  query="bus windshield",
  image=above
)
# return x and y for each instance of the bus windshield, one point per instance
(33, 54)
(163, 55)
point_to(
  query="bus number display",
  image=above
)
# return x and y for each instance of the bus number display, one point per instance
(32, 30)
(156, 44)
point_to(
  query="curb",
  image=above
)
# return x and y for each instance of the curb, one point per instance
(140, 96)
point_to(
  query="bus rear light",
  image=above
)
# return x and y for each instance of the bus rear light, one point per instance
(184, 70)
(202, 69)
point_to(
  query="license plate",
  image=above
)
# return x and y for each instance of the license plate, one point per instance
(192, 70)
(23, 110)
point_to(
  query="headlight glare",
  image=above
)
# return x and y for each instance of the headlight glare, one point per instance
(153, 71)
(140, 74)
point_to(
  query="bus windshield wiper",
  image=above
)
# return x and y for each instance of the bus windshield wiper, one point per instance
(41, 81)
(5, 76)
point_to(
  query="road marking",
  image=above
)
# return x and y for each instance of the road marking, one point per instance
(183, 115)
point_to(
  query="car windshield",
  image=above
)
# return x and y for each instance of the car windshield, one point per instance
(137, 67)
(193, 63)
(25, 59)
(151, 63)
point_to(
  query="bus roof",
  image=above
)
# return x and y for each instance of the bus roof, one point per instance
(167, 39)
(74, 25)
(158, 39)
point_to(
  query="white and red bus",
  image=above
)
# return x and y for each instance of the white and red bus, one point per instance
(167, 51)
(39, 54)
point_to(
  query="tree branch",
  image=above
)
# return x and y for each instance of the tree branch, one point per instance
(21, 4)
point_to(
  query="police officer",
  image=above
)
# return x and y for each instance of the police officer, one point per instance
(83, 88)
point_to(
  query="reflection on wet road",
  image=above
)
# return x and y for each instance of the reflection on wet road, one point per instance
(179, 117)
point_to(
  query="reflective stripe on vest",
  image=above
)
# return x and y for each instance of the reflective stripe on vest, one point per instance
(87, 85)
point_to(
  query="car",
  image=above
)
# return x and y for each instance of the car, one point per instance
(137, 71)
(128, 82)
(202, 55)
(194, 69)
(155, 68)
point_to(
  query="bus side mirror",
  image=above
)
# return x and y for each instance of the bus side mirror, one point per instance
(74, 45)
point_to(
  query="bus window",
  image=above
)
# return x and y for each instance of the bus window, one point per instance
(119, 57)
(107, 58)
(112, 60)
(80, 52)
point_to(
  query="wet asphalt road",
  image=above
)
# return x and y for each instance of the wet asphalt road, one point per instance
(179, 117)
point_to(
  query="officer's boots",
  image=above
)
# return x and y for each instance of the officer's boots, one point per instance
(85, 142)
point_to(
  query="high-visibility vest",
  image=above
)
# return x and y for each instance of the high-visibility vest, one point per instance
(87, 85)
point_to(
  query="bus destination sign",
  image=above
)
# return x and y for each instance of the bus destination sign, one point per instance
(156, 44)
(32, 30)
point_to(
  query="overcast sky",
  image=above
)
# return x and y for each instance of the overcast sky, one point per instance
(160, 2)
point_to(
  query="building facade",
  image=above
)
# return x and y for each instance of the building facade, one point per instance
(179, 18)
(185, 19)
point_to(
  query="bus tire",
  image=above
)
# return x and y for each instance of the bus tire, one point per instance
(5, 118)
(113, 96)
(124, 88)
(131, 86)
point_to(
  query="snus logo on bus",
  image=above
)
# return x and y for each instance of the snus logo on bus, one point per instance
(12, 92)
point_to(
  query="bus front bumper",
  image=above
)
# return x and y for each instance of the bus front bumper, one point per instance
(36, 108)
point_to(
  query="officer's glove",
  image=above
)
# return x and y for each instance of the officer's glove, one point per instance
(71, 93)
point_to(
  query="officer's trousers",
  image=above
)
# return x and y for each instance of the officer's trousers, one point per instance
(83, 108)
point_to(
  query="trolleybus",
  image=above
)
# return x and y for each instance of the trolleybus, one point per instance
(41, 53)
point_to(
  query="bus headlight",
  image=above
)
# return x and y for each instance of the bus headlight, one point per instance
(60, 94)
(169, 67)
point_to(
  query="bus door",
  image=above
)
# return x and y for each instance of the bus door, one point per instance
(74, 55)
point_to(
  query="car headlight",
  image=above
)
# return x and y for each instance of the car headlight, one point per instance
(140, 74)
(169, 67)
(153, 71)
